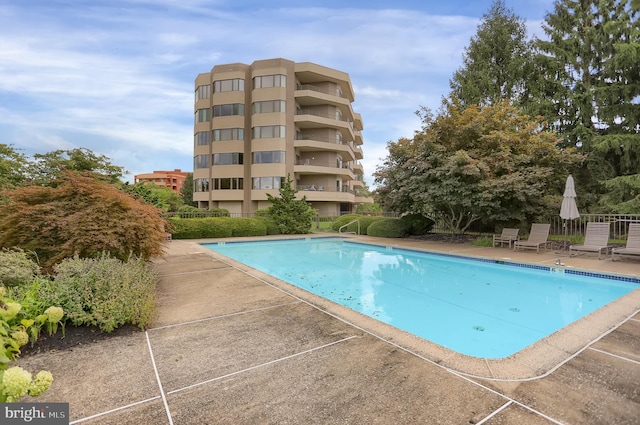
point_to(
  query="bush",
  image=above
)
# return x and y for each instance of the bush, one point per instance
(15, 329)
(247, 227)
(80, 215)
(417, 224)
(388, 228)
(16, 268)
(103, 292)
(344, 219)
(365, 222)
(272, 226)
(199, 228)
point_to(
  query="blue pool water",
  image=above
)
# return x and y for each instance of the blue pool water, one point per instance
(479, 308)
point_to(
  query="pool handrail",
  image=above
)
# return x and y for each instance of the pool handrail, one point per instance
(351, 222)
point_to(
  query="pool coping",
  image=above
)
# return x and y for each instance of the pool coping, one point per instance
(535, 361)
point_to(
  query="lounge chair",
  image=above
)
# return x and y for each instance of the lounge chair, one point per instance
(596, 239)
(537, 238)
(633, 243)
(507, 236)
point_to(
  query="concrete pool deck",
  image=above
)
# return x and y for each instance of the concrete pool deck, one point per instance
(233, 346)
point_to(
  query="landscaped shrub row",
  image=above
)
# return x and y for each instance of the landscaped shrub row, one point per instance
(388, 228)
(221, 227)
(103, 292)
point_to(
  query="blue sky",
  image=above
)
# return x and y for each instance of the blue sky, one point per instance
(116, 76)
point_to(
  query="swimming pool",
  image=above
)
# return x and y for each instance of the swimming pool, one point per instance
(476, 307)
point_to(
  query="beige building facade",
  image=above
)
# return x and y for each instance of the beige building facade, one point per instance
(255, 125)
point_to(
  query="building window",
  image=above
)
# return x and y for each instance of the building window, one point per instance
(228, 183)
(228, 109)
(203, 92)
(269, 106)
(266, 81)
(200, 185)
(201, 161)
(267, 182)
(234, 158)
(268, 157)
(203, 115)
(235, 84)
(202, 138)
(228, 134)
(268, 131)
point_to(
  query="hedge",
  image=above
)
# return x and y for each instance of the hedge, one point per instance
(365, 222)
(221, 227)
(388, 228)
(199, 228)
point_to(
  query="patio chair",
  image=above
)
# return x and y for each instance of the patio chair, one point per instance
(596, 239)
(507, 236)
(633, 243)
(538, 237)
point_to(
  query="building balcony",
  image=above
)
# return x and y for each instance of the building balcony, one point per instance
(311, 166)
(358, 169)
(325, 144)
(310, 95)
(357, 152)
(309, 118)
(317, 193)
(356, 184)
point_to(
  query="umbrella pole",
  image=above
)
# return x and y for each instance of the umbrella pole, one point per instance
(564, 246)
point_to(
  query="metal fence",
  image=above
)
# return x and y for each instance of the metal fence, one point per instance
(619, 225)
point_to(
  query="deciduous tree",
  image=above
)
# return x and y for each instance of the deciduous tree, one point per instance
(491, 163)
(13, 166)
(46, 167)
(79, 215)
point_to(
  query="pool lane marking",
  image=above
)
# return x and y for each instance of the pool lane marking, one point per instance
(222, 316)
(208, 381)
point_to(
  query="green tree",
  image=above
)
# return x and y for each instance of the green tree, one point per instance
(79, 215)
(591, 61)
(186, 191)
(13, 167)
(45, 168)
(291, 215)
(498, 63)
(491, 163)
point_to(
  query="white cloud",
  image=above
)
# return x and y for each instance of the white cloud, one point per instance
(117, 77)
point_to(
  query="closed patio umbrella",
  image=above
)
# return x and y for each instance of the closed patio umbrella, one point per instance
(569, 210)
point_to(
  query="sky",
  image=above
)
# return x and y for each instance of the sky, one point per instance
(117, 76)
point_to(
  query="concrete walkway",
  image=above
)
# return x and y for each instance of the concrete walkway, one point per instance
(230, 346)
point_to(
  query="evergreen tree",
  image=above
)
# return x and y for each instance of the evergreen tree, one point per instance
(291, 215)
(497, 62)
(591, 64)
(186, 191)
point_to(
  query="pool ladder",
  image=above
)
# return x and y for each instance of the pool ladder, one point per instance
(351, 222)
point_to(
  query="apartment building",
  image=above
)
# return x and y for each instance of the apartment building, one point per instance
(255, 125)
(171, 179)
